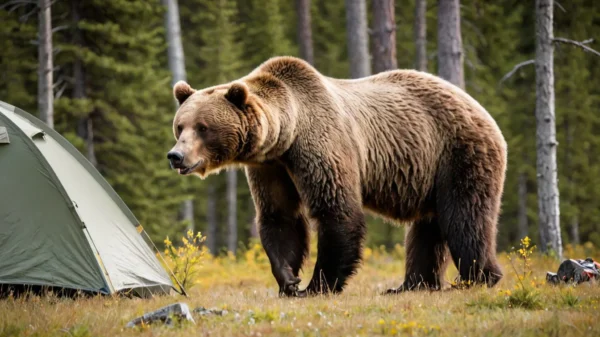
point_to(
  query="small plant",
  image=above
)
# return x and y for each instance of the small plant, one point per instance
(568, 298)
(525, 298)
(185, 260)
(525, 295)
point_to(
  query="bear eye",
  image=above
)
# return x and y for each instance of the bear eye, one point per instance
(179, 130)
(201, 128)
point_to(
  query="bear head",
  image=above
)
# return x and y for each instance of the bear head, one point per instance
(211, 127)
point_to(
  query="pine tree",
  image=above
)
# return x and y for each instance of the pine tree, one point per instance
(384, 36)
(123, 50)
(305, 40)
(329, 20)
(450, 47)
(18, 59)
(265, 35)
(358, 38)
(576, 124)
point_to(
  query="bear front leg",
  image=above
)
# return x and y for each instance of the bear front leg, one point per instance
(331, 190)
(282, 225)
(341, 234)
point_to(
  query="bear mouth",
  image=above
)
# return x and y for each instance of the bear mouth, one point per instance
(187, 170)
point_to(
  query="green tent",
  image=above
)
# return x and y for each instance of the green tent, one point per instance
(61, 224)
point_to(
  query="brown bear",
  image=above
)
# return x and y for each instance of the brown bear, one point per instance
(403, 144)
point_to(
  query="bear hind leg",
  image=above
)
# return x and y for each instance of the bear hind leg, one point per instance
(426, 257)
(468, 206)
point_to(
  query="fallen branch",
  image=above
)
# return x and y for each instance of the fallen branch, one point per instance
(514, 70)
(581, 44)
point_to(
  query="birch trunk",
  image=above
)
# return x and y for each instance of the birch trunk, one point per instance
(421, 35)
(384, 36)
(358, 38)
(450, 48)
(548, 196)
(177, 67)
(45, 66)
(305, 31)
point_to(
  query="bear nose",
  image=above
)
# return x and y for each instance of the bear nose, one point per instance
(175, 159)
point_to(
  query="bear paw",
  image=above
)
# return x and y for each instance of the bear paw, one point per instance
(291, 289)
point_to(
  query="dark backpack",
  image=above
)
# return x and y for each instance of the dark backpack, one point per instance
(576, 271)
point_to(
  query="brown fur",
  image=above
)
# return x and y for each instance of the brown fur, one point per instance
(403, 144)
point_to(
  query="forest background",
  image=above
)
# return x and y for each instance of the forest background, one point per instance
(112, 95)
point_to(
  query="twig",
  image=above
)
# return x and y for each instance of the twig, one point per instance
(25, 17)
(18, 3)
(560, 6)
(59, 28)
(60, 91)
(581, 44)
(514, 70)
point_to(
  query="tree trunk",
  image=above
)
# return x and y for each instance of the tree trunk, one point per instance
(85, 127)
(211, 218)
(177, 67)
(305, 31)
(384, 36)
(523, 225)
(450, 48)
(421, 34)
(575, 240)
(45, 67)
(358, 39)
(175, 47)
(572, 197)
(232, 210)
(548, 197)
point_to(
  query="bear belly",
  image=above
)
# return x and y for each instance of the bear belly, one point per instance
(398, 202)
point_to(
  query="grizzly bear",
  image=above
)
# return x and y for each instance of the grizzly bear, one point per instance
(403, 144)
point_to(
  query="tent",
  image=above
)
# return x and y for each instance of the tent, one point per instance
(62, 226)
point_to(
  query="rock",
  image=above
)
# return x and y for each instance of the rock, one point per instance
(179, 311)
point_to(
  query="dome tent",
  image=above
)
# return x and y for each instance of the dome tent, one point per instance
(61, 224)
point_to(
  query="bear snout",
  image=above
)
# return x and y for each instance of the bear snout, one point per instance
(175, 159)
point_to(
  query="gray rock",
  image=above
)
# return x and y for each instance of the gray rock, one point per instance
(166, 315)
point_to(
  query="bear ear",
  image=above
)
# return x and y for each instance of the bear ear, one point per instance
(182, 91)
(238, 94)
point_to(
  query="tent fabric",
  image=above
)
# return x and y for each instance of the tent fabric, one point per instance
(61, 224)
(4, 136)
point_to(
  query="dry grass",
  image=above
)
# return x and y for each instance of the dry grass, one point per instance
(247, 290)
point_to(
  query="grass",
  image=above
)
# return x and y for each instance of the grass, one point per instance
(246, 289)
